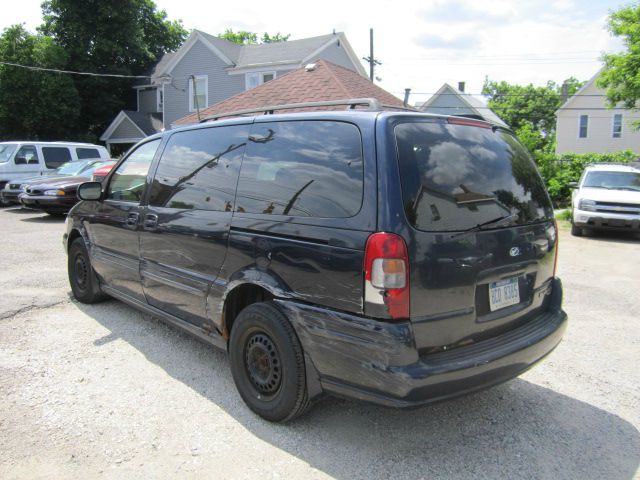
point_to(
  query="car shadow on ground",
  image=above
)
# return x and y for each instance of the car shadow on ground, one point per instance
(502, 432)
(17, 210)
(45, 218)
(612, 236)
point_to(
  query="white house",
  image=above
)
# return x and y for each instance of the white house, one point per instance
(585, 124)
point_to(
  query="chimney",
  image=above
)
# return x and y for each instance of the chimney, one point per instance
(564, 95)
(407, 92)
(461, 86)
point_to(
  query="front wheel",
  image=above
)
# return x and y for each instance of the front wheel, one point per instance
(83, 280)
(267, 363)
(576, 231)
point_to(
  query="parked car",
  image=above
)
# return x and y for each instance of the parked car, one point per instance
(398, 258)
(13, 189)
(56, 195)
(101, 173)
(23, 159)
(607, 197)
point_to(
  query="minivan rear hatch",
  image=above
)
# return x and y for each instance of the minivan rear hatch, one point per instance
(482, 240)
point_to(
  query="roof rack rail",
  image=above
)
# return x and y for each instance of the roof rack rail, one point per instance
(352, 103)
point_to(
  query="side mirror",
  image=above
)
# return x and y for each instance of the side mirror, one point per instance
(90, 191)
(20, 160)
(572, 184)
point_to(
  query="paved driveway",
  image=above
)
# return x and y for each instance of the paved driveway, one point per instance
(106, 392)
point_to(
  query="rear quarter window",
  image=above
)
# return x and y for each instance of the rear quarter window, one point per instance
(455, 177)
(302, 168)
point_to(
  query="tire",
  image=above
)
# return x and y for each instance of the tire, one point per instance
(267, 363)
(83, 280)
(576, 231)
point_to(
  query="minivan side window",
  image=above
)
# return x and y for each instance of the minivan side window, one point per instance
(29, 152)
(302, 168)
(87, 153)
(199, 169)
(55, 156)
(127, 182)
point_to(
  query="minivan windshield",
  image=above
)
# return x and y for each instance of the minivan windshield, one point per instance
(6, 151)
(458, 177)
(613, 180)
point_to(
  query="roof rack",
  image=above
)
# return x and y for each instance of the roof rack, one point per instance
(352, 103)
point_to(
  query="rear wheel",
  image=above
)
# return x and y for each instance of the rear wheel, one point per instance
(83, 280)
(267, 363)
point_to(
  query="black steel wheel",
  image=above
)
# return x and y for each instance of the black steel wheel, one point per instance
(83, 280)
(267, 363)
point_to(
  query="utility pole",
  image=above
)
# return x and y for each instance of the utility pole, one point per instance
(371, 59)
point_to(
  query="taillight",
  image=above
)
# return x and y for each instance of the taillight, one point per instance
(386, 274)
(470, 122)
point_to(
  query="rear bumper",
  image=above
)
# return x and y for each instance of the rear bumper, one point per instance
(377, 362)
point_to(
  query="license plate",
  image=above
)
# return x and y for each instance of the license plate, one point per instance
(503, 293)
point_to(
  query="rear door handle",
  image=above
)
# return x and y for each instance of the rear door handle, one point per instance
(132, 219)
(151, 220)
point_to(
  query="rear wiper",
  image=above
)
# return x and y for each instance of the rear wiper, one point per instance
(484, 224)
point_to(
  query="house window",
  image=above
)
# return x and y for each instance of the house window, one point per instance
(159, 98)
(617, 125)
(254, 79)
(584, 126)
(199, 95)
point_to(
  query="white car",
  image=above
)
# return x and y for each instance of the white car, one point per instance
(607, 197)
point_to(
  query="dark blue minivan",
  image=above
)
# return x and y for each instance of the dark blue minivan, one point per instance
(398, 258)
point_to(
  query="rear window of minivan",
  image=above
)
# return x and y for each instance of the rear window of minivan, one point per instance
(455, 177)
(302, 168)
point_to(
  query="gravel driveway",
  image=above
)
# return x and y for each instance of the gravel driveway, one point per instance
(106, 392)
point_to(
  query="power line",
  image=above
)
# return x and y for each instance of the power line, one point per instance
(90, 74)
(497, 95)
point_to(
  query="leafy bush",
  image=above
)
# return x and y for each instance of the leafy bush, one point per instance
(560, 169)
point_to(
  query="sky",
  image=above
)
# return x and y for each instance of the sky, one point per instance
(421, 44)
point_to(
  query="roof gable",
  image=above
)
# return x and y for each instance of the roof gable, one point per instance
(458, 103)
(325, 82)
(580, 91)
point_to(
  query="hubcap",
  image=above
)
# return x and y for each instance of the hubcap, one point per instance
(81, 271)
(263, 365)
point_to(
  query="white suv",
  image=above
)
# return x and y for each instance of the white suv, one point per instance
(607, 197)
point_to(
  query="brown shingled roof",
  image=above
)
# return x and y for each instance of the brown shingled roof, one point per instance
(326, 82)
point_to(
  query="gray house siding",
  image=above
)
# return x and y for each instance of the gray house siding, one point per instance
(127, 129)
(200, 60)
(337, 55)
(448, 104)
(147, 101)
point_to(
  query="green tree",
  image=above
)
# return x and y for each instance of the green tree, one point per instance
(248, 38)
(621, 72)
(35, 105)
(527, 104)
(123, 37)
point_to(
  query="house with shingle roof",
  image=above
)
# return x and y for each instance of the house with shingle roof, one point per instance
(317, 82)
(206, 70)
(454, 101)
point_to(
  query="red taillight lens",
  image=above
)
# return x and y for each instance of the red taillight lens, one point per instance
(386, 274)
